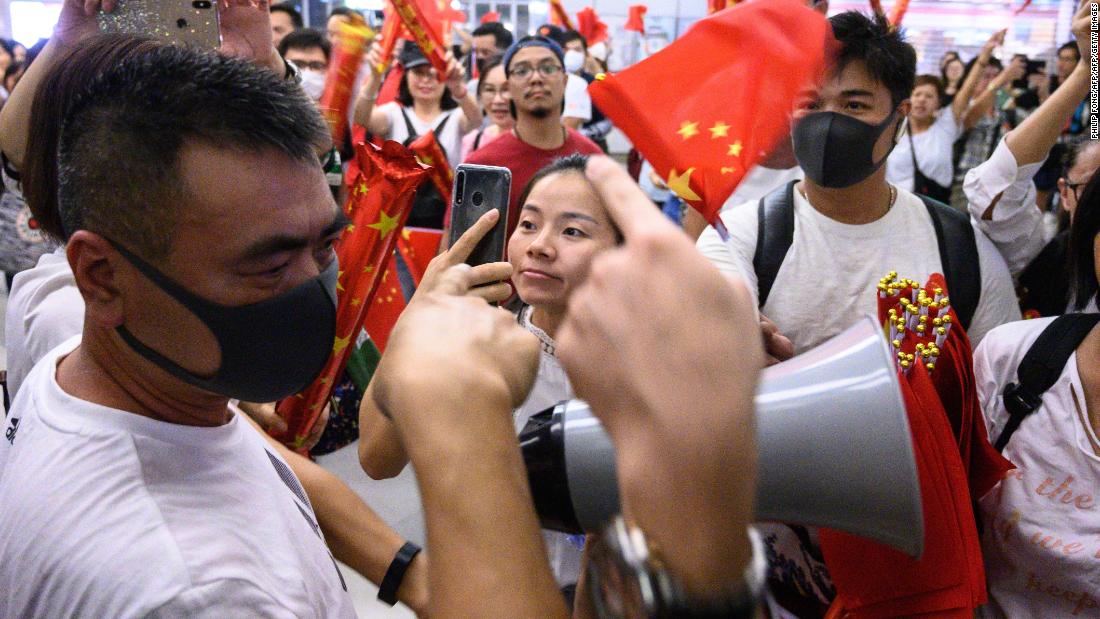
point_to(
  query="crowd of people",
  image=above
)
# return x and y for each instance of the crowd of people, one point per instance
(169, 222)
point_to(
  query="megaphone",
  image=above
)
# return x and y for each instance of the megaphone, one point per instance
(832, 435)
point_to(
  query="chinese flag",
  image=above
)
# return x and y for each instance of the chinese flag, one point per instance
(422, 22)
(430, 153)
(378, 205)
(340, 80)
(418, 246)
(636, 20)
(558, 16)
(589, 25)
(386, 307)
(948, 580)
(738, 74)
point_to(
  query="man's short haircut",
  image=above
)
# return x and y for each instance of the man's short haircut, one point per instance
(500, 34)
(121, 142)
(572, 35)
(291, 11)
(306, 38)
(346, 12)
(927, 79)
(880, 48)
(1072, 46)
(1074, 153)
(1082, 244)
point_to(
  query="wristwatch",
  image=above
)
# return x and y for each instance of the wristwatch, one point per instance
(627, 579)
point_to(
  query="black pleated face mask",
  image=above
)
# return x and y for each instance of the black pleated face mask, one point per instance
(269, 350)
(836, 150)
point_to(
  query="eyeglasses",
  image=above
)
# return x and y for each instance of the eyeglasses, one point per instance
(525, 71)
(313, 65)
(493, 91)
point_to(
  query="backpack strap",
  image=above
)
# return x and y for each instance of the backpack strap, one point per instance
(959, 257)
(774, 235)
(409, 128)
(1040, 368)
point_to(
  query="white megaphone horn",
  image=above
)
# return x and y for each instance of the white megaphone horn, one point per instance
(833, 437)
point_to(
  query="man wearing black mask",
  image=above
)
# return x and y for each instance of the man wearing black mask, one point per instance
(814, 250)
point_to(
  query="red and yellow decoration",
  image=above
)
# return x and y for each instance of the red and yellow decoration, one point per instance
(558, 15)
(713, 6)
(430, 153)
(741, 70)
(897, 12)
(378, 204)
(347, 56)
(955, 463)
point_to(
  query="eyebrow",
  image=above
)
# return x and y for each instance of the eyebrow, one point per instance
(565, 215)
(855, 92)
(282, 242)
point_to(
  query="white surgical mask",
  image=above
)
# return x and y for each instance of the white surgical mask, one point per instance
(574, 61)
(313, 82)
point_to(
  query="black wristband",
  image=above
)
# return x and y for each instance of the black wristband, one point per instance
(391, 582)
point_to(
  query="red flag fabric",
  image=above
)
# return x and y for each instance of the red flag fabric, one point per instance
(635, 22)
(430, 153)
(897, 12)
(589, 25)
(1023, 7)
(558, 15)
(418, 246)
(426, 32)
(490, 17)
(937, 382)
(377, 207)
(386, 307)
(876, 7)
(347, 56)
(713, 6)
(701, 142)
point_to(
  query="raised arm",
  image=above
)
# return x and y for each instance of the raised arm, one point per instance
(966, 91)
(366, 113)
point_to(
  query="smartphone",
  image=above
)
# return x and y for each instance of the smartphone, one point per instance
(182, 22)
(477, 190)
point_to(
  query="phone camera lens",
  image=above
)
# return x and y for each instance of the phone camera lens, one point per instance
(181, 23)
(460, 185)
(202, 4)
(477, 198)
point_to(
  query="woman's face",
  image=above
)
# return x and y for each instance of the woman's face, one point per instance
(495, 97)
(424, 84)
(954, 70)
(562, 227)
(925, 100)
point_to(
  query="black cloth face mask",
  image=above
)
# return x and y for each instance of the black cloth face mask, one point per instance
(836, 150)
(269, 350)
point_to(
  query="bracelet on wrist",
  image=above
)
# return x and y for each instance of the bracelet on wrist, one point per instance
(391, 582)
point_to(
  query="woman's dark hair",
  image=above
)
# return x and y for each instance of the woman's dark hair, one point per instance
(1082, 244)
(50, 107)
(8, 47)
(496, 62)
(575, 163)
(405, 98)
(928, 79)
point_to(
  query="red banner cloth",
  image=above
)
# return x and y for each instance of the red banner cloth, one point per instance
(377, 207)
(713, 6)
(386, 307)
(347, 57)
(703, 143)
(426, 32)
(430, 153)
(589, 25)
(558, 15)
(874, 581)
(636, 20)
(418, 246)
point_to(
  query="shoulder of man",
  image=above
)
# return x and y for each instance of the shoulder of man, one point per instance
(580, 144)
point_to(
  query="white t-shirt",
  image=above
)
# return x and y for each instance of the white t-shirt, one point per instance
(105, 513)
(577, 102)
(759, 182)
(450, 138)
(44, 309)
(829, 276)
(1040, 537)
(934, 154)
(551, 386)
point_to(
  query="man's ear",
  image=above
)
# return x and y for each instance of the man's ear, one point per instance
(95, 263)
(903, 119)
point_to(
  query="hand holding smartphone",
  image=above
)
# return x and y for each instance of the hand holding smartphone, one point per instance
(478, 190)
(182, 22)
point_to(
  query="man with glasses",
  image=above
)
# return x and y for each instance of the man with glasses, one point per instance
(536, 79)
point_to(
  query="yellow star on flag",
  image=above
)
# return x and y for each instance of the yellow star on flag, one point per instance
(361, 188)
(728, 170)
(405, 234)
(385, 224)
(340, 344)
(368, 269)
(719, 130)
(688, 129)
(679, 184)
(339, 285)
(350, 228)
(735, 149)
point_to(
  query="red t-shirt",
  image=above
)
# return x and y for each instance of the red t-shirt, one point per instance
(525, 160)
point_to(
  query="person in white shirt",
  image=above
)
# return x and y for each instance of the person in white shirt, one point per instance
(212, 279)
(850, 227)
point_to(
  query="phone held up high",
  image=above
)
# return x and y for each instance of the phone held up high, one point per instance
(477, 190)
(193, 23)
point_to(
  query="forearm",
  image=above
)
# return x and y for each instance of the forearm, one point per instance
(476, 570)
(15, 117)
(1032, 140)
(381, 453)
(983, 103)
(470, 111)
(364, 103)
(966, 91)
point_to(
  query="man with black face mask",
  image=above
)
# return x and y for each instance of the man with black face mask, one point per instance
(204, 259)
(825, 241)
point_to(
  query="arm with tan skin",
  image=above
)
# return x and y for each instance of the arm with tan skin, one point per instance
(365, 112)
(381, 453)
(966, 90)
(456, 83)
(354, 533)
(983, 103)
(246, 33)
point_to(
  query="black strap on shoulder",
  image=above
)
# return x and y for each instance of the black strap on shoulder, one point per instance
(774, 235)
(1041, 366)
(959, 257)
(411, 130)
